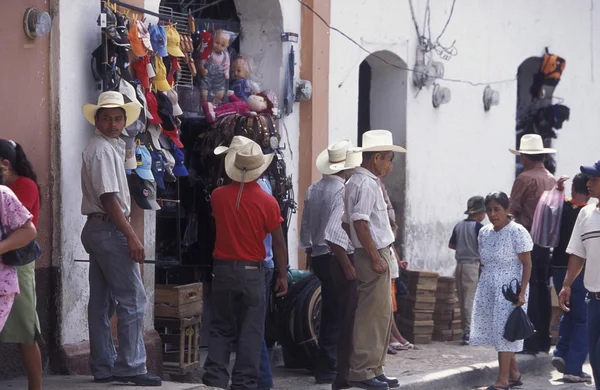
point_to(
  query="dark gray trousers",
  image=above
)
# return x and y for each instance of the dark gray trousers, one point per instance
(238, 305)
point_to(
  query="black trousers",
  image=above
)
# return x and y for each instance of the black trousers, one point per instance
(238, 308)
(329, 333)
(539, 306)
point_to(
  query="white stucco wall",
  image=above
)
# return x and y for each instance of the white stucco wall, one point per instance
(78, 35)
(458, 150)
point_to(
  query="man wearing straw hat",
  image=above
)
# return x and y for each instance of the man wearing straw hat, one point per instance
(244, 215)
(318, 204)
(342, 271)
(372, 236)
(113, 246)
(526, 192)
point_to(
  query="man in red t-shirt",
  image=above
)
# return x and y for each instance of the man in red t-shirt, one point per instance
(244, 215)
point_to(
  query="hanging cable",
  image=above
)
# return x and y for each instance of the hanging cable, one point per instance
(472, 83)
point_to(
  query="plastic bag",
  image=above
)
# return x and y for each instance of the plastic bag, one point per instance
(518, 326)
(545, 230)
(510, 294)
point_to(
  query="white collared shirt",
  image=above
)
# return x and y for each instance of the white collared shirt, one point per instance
(102, 172)
(585, 243)
(334, 232)
(363, 201)
(318, 205)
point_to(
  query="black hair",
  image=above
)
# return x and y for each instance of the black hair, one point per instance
(580, 183)
(500, 197)
(99, 111)
(14, 153)
(536, 157)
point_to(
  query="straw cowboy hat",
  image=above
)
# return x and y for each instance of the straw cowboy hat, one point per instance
(334, 154)
(379, 141)
(112, 99)
(353, 160)
(236, 142)
(532, 144)
(247, 164)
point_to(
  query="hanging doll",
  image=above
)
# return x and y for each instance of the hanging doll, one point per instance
(214, 71)
(258, 103)
(242, 86)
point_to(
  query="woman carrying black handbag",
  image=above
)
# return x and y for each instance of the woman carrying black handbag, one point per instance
(16, 222)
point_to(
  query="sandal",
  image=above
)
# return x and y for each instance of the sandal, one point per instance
(402, 346)
(391, 351)
(515, 383)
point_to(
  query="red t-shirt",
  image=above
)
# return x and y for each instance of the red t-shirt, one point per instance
(27, 192)
(241, 232)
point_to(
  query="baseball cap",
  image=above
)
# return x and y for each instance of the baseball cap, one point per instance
(593, 170)
(174, 136)
(128, 135)
(475, 204)
(158, 37)
(155, 131)
(141, 71)
(153, 108)
(173, 41)
(144, 35)
(143, 192)
(179, 169)
(169, 165)
(142, 99)
(144, 163)
(160, 79)
(174, 99)
(158, 169)
(134, 38)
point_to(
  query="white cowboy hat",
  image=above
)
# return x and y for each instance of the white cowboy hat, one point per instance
(236, 142)
(112, 99)
(532, 144)
(353, 160)
(334, 154)
(247, 164)
(379, 141)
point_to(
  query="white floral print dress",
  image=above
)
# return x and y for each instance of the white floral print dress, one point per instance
(499, 257)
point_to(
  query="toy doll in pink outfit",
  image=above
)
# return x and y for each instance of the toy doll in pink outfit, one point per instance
(257, 103)
(16, 231)
(214, 71)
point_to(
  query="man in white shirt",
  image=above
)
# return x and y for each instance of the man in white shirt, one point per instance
(372, 236)
(318, 204)
(584, 248)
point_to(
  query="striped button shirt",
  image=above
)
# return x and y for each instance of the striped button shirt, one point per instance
(334, 232)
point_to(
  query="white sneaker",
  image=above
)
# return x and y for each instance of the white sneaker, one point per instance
(583, 378)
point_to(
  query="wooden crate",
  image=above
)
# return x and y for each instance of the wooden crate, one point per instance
(442, 335)
(415, 327)
(410, 313)
(412, 278)
(423, 290)
(418, 303)
(443, 316)
(178, 301)
(417, 338)
(456, 324)
(186, 357)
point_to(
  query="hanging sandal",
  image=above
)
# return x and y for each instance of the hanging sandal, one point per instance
(515, 383)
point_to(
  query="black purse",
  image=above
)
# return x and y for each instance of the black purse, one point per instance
(21, 256)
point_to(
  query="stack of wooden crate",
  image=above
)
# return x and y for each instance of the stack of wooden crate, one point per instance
(415, 310)
(446, 315)
(177, 318)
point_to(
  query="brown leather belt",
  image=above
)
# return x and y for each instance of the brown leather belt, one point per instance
(101, 217)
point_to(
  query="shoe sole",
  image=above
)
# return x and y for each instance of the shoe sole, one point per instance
(577, 380)
(559, 365)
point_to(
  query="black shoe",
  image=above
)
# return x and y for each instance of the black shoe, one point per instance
(369, 384)
(392, 382)
(140, 380)
(108, 379)
(325, 379)
(340, 386)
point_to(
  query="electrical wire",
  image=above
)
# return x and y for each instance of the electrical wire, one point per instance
(472, 83)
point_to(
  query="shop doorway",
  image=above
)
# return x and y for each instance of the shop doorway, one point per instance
(382, 97)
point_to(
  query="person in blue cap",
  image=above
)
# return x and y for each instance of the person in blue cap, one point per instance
(584, 249)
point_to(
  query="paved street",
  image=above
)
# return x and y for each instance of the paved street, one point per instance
(551, 380)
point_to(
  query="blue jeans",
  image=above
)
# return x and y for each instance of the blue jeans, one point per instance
(594, 338)
(572, 343)
(265, 377)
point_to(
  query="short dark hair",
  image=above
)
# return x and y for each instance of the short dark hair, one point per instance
(536, 157)
(580, 183)
(499, 197)
(99, 111)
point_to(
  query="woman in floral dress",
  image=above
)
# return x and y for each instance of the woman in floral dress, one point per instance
(19, 230)
(505, 248)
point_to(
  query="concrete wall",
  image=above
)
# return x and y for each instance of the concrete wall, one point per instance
(458, 150)
(25, 107)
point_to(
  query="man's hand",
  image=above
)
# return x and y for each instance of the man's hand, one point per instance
(281, 285)
(521, 300)
(349, 271)
(136, 249)
(564, 298)
(379, 265)
(560, 184)
(403, 264)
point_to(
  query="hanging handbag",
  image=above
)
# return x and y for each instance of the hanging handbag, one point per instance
(21, 256)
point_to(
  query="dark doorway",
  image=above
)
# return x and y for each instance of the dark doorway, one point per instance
(364, 99)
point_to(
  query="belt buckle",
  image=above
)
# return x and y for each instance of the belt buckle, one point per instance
(596, 296)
